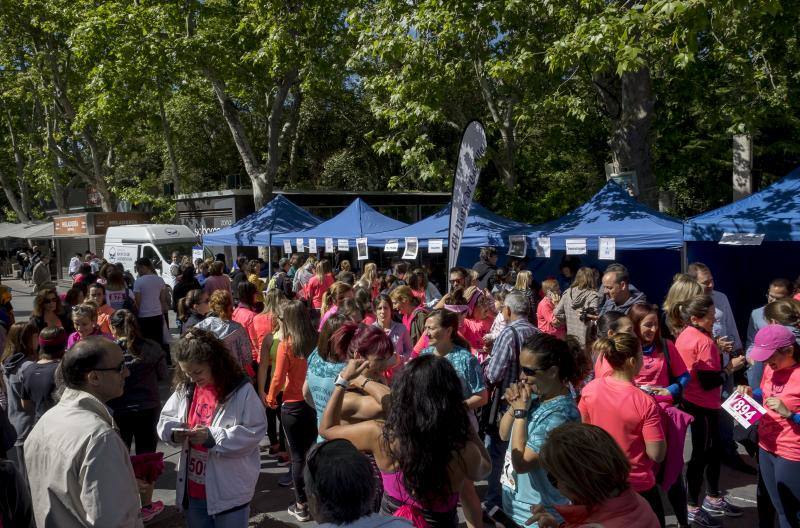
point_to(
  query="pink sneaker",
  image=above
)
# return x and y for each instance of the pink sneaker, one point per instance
(150, 511)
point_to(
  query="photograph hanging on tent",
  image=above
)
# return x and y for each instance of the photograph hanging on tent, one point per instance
(361, 249)
(543, 247)
(517, 246)
(412, 245)
(312, 245)
(343, 244)
(328, 245)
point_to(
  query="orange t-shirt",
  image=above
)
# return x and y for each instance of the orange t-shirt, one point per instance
(290, 370)
(699, 352)
(262, 324)
(631, 417)
(104, 313)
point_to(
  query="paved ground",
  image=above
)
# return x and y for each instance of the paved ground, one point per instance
(270, 502)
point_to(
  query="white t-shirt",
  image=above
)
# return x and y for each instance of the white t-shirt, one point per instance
(149, 287)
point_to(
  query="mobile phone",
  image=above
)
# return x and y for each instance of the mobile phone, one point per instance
(181, 430)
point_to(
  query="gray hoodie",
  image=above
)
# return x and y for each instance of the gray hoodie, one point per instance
(13, 370)
(624, 308)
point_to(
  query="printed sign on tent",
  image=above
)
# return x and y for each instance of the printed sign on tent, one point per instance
(328, 245)
(606, 248)
(543, 247)
(412, 245)
(391, 245)
(197, 253)
(744, 409)
(361, 249)
(343, 244)
(312, 245)
(517, 246)
(741, 239)
(287, 247)
(299, 243)
(435, 245)
(576, 246)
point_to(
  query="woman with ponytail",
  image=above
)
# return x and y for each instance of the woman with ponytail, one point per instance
(192, 309)
(628, 414)
(701, 399)
(338, 292)
(425, 458)
(319, 283)
(538, 403)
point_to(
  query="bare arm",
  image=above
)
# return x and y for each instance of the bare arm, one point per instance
(307, 396)
(477, 400)
(263, 366)
(656, 451)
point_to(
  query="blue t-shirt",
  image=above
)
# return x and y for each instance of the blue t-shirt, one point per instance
(320, 377)
(467, 367)
(520, 492)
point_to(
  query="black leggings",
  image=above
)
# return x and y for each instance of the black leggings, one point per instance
(705, 452)
(653, 498)
(300, 425)
(139, 426)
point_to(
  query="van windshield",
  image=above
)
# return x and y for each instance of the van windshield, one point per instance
(183, 248)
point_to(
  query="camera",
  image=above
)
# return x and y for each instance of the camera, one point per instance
(586, 312)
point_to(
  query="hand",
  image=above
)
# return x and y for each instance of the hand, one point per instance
(524, 399)
(541, 516)
(737, 363)
(725, 344)
(745, 389)
(354, 368)
(487, 338)
(512, 393)
(198, 435)
(660, 391)
(179, 436)
(359, 381)
(777, 405)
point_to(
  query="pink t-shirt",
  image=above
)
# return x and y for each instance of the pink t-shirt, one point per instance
(217, 282)
(654, 368)
(775, 433)
(544, 319)
(201, 412)
(627, 510)
(316, 289)
(473, 331)
(244, 316)
(699, 352)
(631, 417)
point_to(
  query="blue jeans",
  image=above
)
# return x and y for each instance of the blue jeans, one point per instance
(782, 480)
(497, 453)
(197, 516)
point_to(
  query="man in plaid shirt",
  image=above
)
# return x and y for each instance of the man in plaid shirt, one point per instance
(501, 371)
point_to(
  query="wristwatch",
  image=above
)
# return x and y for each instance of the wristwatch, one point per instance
(341, 382)
(520, 414)
(366, 380)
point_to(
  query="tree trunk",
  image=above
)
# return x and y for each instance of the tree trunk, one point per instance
(502, 112)
(11, 195)
(21, 207)
(173, 160)
(630, 138)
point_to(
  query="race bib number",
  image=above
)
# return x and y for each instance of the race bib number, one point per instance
(744, 409)
(197, 466)
(507, 477)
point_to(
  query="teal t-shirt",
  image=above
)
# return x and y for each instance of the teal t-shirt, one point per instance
(467, 367)
(520, 492)
(320, 377)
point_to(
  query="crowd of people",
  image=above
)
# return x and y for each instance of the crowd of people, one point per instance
(388, 400)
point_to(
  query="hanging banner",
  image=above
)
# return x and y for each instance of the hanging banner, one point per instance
(741, 239)
(391, 245)
(606, 248)
(312, 245)
(328, 245)
(299, 243)
(412, 246)
(287, 247)
(473, 148)
(576, 246)
(543, 247)
(343, 244)
(361, 249)
(435, 245)
(517, 247)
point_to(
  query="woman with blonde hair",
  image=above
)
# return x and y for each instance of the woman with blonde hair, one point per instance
(525, 285)
(219, 322)
(586, 465)
(683, 288)
(369, 280)
(579, 306)
(338, 292)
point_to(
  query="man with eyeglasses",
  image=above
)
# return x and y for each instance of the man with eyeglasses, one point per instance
(458, 278)
(78, 466)
(778, 289)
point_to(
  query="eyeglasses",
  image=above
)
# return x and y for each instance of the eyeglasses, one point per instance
(119, 368)
(531, 371)
(456, 281)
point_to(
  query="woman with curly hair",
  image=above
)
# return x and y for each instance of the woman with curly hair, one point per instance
(215, 416)
(425, 449)
(48, 311)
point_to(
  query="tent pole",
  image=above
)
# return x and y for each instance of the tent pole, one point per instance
(269, 258)
(684, 258)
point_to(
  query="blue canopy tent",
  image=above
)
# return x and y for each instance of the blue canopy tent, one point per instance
(358, 220)
(278, 216)
(646, 241)
(743, 272)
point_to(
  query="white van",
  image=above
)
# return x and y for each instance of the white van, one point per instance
(154, 241)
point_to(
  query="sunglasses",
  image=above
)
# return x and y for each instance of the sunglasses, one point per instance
(531, 371)
(119, 368)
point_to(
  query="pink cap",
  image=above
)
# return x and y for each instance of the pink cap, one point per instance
(769, 339)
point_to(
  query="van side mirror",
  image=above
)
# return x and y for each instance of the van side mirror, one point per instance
(156, 265)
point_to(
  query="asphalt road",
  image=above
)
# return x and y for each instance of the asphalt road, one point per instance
(271, 501)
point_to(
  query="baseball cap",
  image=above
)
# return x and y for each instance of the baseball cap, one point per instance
(769, 339)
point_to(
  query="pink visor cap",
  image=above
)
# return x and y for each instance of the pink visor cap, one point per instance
(769, 339)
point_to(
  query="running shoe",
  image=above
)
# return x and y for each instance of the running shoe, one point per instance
(720, 507)
(285, 480)
(301, 514)
(699, 518)
(150, 511)
(284, 459)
